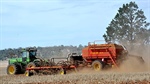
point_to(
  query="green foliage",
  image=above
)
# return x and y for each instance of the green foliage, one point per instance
(128, 26)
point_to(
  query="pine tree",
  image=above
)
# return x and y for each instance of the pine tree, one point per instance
(128, 26)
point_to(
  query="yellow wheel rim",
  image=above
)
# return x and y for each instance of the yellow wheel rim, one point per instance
(96, 67)
(62, 72)
(27, 73)
(11, 69)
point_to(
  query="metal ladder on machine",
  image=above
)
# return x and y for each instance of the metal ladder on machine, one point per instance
(114, 62)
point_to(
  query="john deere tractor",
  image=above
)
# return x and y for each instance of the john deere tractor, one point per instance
(27, 59)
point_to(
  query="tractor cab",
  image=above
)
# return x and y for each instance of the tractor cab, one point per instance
(29, 54)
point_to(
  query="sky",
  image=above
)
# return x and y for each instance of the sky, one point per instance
(27, 23)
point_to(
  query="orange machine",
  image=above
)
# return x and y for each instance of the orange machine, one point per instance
(100, 55)
(107, 53)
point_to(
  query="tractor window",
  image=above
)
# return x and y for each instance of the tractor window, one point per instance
(32, 53)
(25, 54)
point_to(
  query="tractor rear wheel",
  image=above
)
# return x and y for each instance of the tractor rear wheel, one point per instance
(97, 65)
(30, 72)
(12, 69)
(31, 65)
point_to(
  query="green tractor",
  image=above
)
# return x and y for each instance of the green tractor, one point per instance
(28, 59)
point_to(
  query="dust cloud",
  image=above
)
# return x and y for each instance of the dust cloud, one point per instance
(132, 64)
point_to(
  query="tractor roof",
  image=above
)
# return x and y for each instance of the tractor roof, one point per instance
(29, 49)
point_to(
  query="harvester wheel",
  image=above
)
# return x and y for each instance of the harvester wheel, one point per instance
(97, 65)
(12, 69)
(62, 71)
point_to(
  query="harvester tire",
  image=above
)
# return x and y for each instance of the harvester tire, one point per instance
(97, 65)
(12, 69)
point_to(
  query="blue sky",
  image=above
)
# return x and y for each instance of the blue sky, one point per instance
(43, 23)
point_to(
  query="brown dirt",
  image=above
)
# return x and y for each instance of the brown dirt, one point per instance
(84, 76)
(81, 78)
(3, 65)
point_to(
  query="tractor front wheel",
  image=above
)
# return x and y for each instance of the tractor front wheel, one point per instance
(12, 69)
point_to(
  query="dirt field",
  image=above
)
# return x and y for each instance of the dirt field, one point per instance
(3, 65)
(85, 76)
(81, 78)
(103, 77)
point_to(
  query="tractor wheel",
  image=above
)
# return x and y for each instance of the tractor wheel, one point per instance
(31, 65)
(12, 69)
(28, 73)
(97, 65)
(62, 71)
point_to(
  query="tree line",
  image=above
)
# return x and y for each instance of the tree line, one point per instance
(44, 52)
